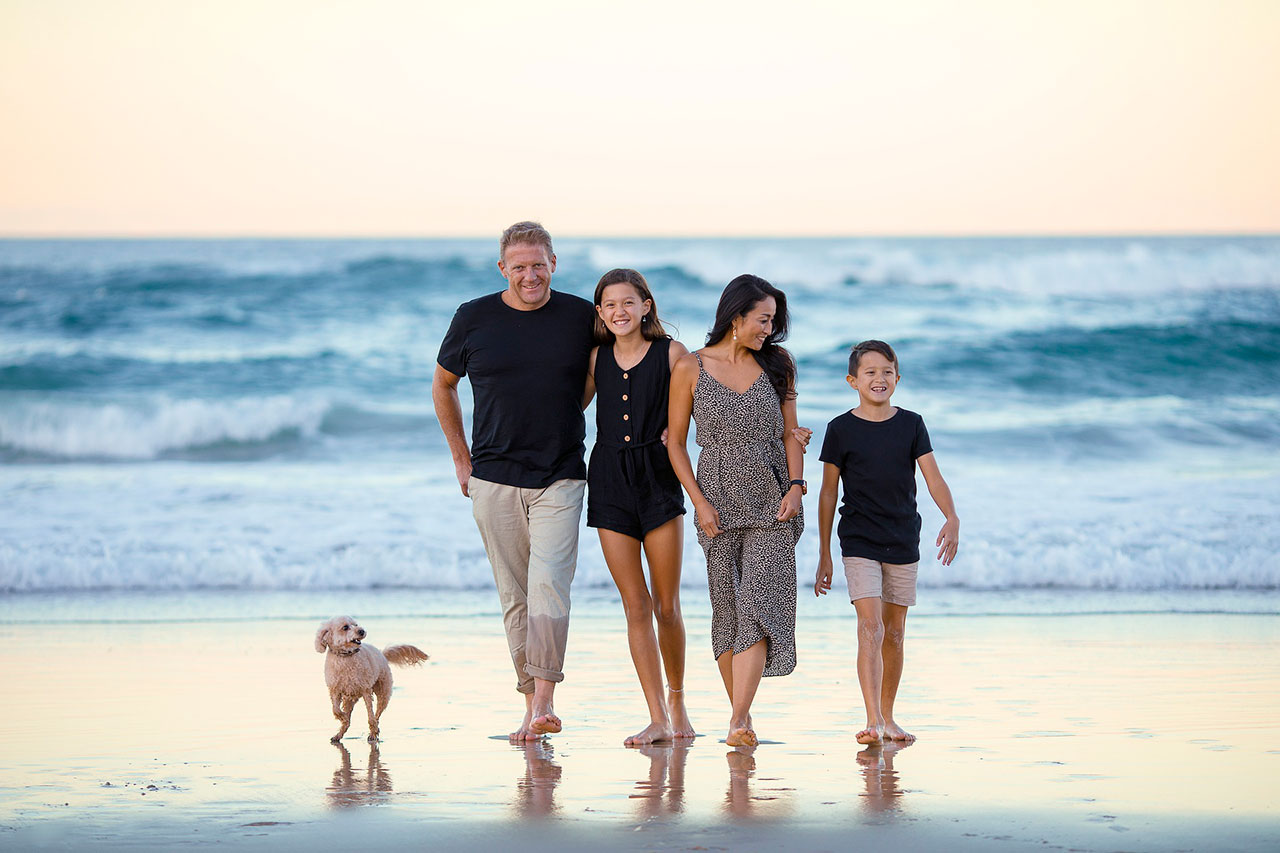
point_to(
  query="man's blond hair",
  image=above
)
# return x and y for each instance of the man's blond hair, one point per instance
(531, 233)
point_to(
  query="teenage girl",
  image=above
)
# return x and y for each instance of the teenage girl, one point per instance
(633, 496)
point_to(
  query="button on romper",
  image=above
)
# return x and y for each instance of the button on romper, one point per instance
(631, 488)
(751, 566)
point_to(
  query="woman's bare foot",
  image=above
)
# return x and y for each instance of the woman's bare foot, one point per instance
(659, 732)
(741, 735)
(871, 734)
(681, 728)
(893, 731)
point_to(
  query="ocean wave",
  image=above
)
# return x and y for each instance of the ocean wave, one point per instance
(154, 428)
(1071, 267)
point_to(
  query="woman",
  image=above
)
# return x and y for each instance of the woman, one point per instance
(633, 497)
(740, 391)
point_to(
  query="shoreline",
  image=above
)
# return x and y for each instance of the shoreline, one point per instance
(1079, 731)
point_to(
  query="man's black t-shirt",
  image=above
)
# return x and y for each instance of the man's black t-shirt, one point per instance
(528, 370)
(877, 462)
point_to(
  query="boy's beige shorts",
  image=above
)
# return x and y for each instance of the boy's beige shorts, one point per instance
(891, 582)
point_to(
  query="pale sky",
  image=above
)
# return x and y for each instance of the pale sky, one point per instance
(390, 117)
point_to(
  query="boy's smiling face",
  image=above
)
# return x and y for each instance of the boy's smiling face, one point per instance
(875, 380)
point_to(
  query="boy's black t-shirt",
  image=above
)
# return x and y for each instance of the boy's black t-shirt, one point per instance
(527, 370)
(877, 462)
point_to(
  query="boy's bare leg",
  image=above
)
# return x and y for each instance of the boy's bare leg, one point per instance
(748, 668)
(895, 634)
(622, 555)
(664, 548)
(870, 666)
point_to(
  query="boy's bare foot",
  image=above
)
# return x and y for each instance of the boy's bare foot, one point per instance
(681, 728)
(652, 733)
(893, 731)
(871, 734)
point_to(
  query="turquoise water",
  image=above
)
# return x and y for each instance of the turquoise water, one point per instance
(179, 415)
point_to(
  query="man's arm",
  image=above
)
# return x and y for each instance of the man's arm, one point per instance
(444, 394)
(949, 536)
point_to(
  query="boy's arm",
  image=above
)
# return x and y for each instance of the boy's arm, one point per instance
(826, 516)
(949, 536)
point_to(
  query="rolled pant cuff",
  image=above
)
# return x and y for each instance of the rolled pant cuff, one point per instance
(525, 687)
(539, 672)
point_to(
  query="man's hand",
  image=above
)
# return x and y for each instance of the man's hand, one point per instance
(948, 541)
(462, 468)
(822, 578)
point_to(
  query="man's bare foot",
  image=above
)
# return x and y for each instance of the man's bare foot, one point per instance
(893, 731)
(681, 728)
(652, 733)
(544, 723)
(871, 734)
(741, 736)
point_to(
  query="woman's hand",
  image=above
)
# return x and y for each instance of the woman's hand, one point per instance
(790, 506)
(708, 518)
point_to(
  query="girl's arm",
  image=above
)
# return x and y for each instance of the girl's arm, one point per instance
(790, 506)
(949, 536)
(826, 518)
(590, 390)
(679, 409)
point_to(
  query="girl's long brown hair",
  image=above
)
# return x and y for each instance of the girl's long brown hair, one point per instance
(650, 326)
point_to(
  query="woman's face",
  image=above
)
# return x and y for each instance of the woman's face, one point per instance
(622, 309)
(754, 327)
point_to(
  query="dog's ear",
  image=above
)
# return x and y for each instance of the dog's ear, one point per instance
(322, 637)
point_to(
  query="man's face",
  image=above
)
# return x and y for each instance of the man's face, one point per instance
(527, 267)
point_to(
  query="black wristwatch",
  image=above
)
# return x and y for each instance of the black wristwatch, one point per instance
(804, 487)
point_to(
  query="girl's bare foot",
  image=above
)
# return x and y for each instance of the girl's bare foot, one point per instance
(659, 732)
(871, 734)
(893, 731)
(681, 728)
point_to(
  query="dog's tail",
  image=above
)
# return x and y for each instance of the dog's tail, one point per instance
(404, 655)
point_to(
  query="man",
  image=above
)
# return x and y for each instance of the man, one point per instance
(525, 350)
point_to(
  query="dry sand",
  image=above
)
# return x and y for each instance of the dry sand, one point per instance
(1085, 732)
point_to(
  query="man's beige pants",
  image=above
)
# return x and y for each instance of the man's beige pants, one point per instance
(531, 539)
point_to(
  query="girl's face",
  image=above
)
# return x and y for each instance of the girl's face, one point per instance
(622, 309)
(754, 327)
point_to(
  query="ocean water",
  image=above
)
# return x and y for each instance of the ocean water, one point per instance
(256, 414)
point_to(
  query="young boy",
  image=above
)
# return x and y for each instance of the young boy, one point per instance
(874, 450)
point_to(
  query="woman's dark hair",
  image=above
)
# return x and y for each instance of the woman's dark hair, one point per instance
(650, 326)
(739, 297)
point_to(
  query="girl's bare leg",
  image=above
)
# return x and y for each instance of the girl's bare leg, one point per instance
(664, 548)
(622, 554)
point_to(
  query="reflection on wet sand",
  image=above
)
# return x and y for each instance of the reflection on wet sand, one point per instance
(662, 793)
(350, 787)
(883, 789)
(536, 789)
(769, 801)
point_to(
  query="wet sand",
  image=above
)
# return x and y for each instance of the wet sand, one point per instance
(1079, 732)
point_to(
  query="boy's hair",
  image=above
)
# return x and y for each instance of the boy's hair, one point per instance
(859, 350)
(531, 233)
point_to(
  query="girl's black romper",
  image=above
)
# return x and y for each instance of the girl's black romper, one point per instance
(631, 488)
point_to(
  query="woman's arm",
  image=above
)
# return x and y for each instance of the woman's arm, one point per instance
(790, 506)
(679, 409)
